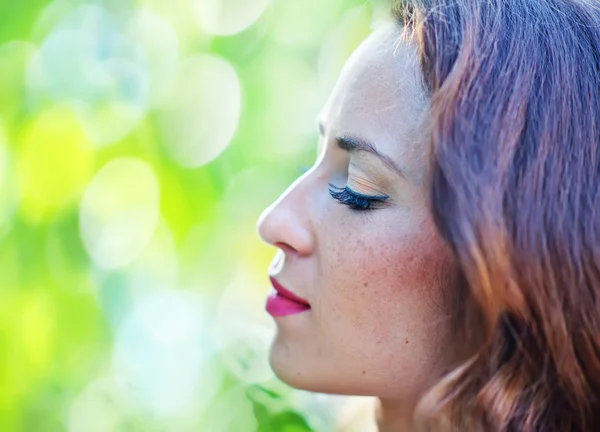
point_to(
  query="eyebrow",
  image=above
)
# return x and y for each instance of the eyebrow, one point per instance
(354, 144)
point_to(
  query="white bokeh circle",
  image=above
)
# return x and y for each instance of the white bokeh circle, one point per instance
(162, 353)
(201, 115)
(228, 17)
(119, 212)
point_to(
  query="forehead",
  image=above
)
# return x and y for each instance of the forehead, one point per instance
(379, 95)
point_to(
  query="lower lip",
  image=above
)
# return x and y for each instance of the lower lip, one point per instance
(279, 306)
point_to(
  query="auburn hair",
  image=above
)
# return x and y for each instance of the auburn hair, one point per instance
(515, 132)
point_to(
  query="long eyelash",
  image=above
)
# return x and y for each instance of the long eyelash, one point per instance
(355, 200)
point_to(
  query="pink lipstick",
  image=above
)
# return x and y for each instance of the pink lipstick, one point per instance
(283, 302)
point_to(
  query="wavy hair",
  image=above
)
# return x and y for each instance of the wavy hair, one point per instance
(515, 132)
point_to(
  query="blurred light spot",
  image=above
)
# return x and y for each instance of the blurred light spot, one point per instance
(227, 17)
(49, 16)
(155, 269)
(201, 115)
(37, 323)
(290, 101)
(304, 22)
(54, 163)
(157, 266)
(97, 408)
(180, 13)
(87, 59)
(321, 411)
(14, 58)
(8, 192)
(244, 330)
(159, 45)
(119, 212)
(351, 29)
(162, 352)
(114, 296)
(231, 411)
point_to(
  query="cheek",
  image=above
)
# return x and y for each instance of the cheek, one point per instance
(385, 289)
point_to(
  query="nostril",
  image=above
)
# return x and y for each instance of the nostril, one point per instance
(286, 248)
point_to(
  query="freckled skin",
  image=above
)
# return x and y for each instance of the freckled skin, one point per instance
(376, 279)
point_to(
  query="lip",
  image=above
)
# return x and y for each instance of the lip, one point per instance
(287, 293)
(283, 302)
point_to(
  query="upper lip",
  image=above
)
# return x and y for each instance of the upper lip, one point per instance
(287, 293)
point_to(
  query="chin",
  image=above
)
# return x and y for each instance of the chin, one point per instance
(287, 368)
(294, 372)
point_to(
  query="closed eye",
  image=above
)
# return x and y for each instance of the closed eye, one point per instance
(355, 200)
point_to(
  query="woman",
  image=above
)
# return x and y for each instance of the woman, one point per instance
(443, 253)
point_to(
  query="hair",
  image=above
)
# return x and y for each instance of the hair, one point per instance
(514, 90)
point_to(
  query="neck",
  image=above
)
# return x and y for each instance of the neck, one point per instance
(394, 415)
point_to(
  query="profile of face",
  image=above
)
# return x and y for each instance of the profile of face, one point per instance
(357, 243)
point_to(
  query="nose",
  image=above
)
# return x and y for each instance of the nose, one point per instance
(286, 223)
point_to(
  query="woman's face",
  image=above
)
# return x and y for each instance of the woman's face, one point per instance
(377, 280)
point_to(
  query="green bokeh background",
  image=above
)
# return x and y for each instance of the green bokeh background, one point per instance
(139, 142)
